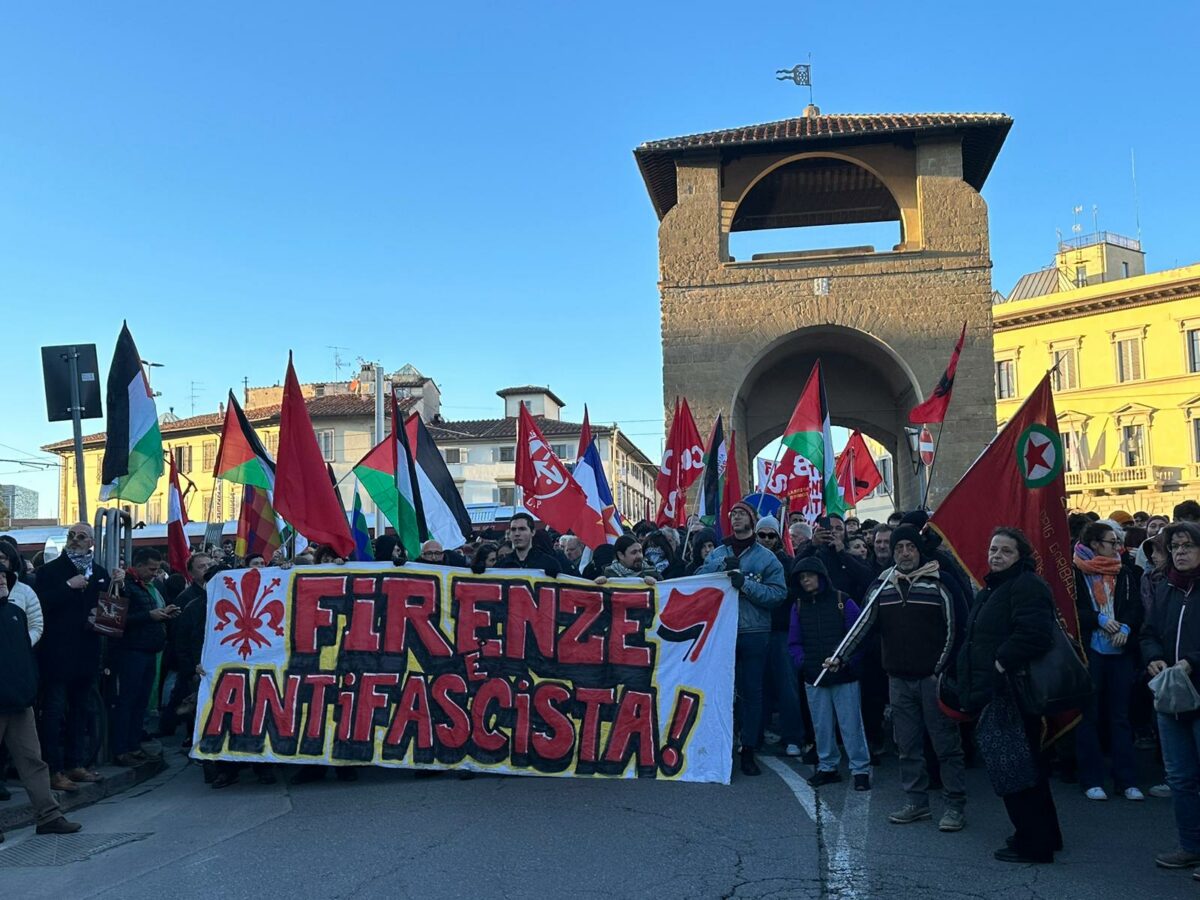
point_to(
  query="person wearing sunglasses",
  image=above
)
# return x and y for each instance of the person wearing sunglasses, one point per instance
(1109, 603)
(1171, 637)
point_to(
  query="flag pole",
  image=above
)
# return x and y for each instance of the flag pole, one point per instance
(853, 631)
(929, 475)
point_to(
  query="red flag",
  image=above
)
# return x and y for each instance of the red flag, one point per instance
(856, 471)
(731, 491)
(934, 409)
(550, 493)
(303, 495)
(683, 461)
(178, 546)
(1018, 481)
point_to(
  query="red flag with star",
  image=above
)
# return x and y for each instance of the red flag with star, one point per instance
(1018, 481)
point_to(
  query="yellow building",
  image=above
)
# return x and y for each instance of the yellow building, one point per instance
(1127, 383)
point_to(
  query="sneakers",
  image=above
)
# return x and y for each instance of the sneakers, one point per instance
(910, 813)
(952, 820)
(1161, 791)
(60, 782)
(749, 766)
(1177, 859)
(810, 756)
(792, 750)
(1095, 793)
(1133, 793)
(821, 777)
(862, 782)
(59, 826)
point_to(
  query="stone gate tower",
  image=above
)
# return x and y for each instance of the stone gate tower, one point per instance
(740, 335)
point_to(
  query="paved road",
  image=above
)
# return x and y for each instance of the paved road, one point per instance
(392, 835)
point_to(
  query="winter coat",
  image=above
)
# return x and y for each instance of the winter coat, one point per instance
(847, 573)
(764, 588)
(1172, 630)
(781, 616)
(18, 666)
(818, 622)
(1127, 605)
(535, 559)
(141, 631)
(1011, 622)
(23, 595)
(70, 647)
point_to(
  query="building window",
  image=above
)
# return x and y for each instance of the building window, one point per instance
(183, 458)
(1196, 440)
(1124, 270)
(1006, 379)
(325, 440)
(528, 404)
(884, 464)
(1070, 450)
(562, 451)
(1066, 369)
(1193, 349)
(508, 454)
(1132, 448)
(508, 495)
(1081, 276)
(453, 455)
(209, 451)
(153, 511)
(1129, 359)
(271, 442)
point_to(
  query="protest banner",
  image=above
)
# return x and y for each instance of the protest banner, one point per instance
(438, 668)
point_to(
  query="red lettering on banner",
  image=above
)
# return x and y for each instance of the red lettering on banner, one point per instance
(524, 613)
(308, 616)
(635, 720)
(315, 726)
(457, 731)
(369, 700)
(498, 691)
(229, 700)
(573, 647)
(361, 635)
(589, 736)
(619, 651)
(559, 739)
(401, 614)
(412, 710)
(470, 618)
(282, 708)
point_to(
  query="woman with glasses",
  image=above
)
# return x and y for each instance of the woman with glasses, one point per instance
(1171, 637)
(1108, 598)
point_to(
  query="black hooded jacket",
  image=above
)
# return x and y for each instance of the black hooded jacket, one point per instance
(818, 622)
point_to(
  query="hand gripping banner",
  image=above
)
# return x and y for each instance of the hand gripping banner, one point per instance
(433, 667)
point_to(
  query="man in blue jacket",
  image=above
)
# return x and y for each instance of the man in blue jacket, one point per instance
(755, 572)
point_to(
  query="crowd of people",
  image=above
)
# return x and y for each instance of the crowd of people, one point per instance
(854, 638)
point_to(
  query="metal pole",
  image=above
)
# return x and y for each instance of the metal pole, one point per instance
(859, 624)
(379, 410)
(77, 425)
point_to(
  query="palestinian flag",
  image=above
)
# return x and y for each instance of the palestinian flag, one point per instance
(446, 517)
(810, 437)
(358, 530)
(258, 529)
(713, 481)
(242, 458)
(133, 454)
(386, 474)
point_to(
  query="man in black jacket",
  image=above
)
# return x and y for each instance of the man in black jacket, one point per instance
(525, 555)
(198, 565)
(69, 588)
(847, 573)
(18, 731)
(136, 653)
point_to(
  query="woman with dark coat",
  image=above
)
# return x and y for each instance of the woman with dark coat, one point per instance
(1010, 623)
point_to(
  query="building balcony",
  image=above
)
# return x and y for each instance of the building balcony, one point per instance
(1125, 477)
(1194, 471)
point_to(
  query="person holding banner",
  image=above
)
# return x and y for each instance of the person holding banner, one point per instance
(758, 578)
(630, 563)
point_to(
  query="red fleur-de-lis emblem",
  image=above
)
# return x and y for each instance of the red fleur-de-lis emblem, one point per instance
(249, 615)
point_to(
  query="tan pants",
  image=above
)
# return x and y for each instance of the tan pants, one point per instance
(18, 733)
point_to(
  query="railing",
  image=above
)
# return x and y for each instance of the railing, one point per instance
(1100, 237)
(1126, 476)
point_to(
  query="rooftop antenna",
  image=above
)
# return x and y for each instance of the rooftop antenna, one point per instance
(338, 364)
(1137, 215)
(801, 76)
(195, 392)
(246, 390)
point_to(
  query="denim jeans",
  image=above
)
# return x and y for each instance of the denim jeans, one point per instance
(843, 703)
(1181, 754)
(64, 727)
(135, 682)
(782, 675)
(1112, 682)
(749, 663)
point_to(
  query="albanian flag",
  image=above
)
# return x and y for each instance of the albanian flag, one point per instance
(856, 471)
(934, 409)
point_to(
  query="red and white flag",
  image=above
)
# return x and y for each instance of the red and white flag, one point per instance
(856, 471)
(682, 463)
(549, 491)
(178, 548)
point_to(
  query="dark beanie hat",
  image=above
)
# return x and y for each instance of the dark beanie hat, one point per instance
(908, 533)
(917, 518)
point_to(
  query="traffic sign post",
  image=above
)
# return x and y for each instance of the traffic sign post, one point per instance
(926, 447)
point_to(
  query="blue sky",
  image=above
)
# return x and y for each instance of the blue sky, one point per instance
(452, 185)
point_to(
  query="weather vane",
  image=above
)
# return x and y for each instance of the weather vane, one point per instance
(799, 75)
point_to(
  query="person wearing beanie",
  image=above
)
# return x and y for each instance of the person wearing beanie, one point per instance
(755, 573)
(1121, 517)
(781, 675)
(920, 620)
(819, 619)
(849, 574)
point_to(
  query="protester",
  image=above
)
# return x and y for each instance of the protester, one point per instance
(1170, 637)
(702, 542)
(848, 574)
(1011, 623)
(660, 553)
(69, 588)
(881, 549)
(602, 557)
(920, 620)
(781, 673)
(1108, 600)
(253, 561)
(800, 533)
(136, 653)
(857, 546)
(484, 558)
(1156, 524)
(572, 550)
(1187, 511)
(818, 621)
(524, 554)
(630, 563)
(20, 628)
(758, 578)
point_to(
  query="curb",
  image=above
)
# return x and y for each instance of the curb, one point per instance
(18, 812)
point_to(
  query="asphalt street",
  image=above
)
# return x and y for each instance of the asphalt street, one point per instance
(392, 835)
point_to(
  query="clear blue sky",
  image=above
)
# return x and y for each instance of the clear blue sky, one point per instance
(452, 185)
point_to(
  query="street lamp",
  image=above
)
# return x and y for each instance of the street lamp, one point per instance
(152, 365)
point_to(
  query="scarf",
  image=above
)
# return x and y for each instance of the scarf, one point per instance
(741, 545)
(930, 568)
(81, 560)
(622, 571)
(658, 559)
(1100, 576)
(1183, 580)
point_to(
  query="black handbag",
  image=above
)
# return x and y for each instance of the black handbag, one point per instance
(1055, 682)
(1000, 736)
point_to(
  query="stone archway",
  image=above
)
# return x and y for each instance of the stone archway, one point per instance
(867, 384)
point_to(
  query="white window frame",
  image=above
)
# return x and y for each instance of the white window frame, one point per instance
(327, 436)
(1138, 337)
(1009, 360)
